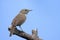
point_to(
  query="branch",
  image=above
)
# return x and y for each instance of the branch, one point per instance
(25, 35)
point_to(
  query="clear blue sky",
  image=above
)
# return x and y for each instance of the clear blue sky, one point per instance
(45, 16)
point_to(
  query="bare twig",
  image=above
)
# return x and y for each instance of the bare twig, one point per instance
(25, 35)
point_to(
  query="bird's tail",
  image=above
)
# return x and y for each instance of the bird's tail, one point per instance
(11, 34)
(11, 30)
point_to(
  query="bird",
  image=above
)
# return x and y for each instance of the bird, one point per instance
(19, 20)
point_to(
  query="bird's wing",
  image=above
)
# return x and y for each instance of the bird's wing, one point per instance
(18, 20)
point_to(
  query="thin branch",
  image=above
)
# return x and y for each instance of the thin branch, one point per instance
(24, 35)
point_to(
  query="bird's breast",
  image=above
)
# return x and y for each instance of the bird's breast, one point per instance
(21, 19)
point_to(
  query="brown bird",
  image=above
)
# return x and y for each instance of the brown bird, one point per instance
(19, 20)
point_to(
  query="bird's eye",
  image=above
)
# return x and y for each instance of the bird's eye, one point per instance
(25, 10)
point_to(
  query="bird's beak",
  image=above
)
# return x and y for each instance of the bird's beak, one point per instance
(30, 10)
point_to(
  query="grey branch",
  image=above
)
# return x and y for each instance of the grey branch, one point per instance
(25, 35)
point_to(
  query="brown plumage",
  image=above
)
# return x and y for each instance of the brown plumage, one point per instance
(19, 20)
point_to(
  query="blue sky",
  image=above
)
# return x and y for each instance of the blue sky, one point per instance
(45, 16)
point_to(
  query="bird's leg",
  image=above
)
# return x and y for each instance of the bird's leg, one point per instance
(21, 28)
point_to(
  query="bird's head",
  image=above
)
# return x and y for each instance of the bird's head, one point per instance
(25, 11)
